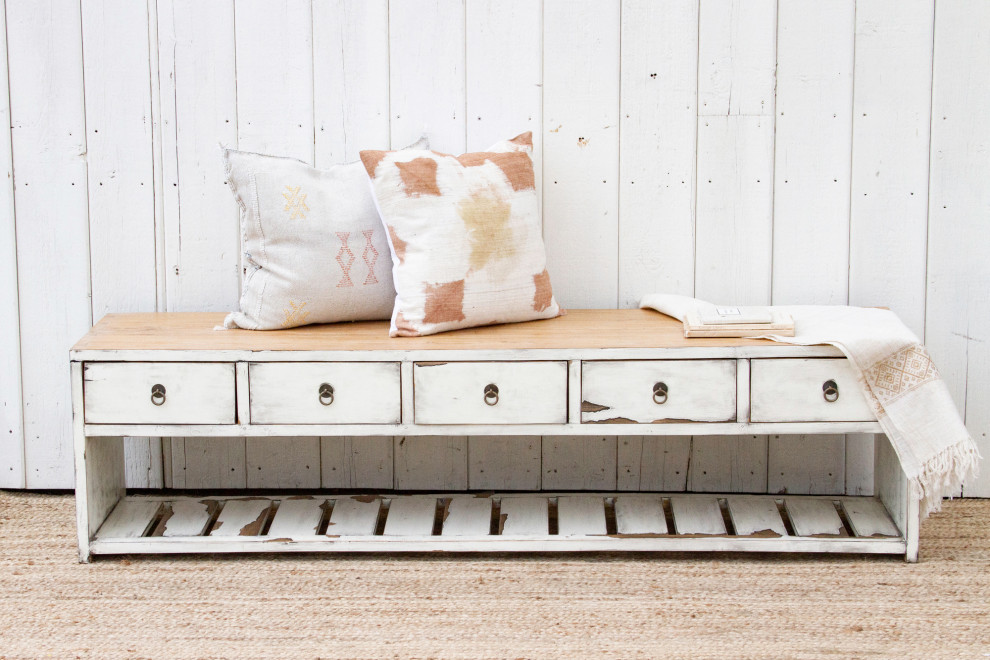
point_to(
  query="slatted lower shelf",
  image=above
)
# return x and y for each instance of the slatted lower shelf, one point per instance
(524, 522)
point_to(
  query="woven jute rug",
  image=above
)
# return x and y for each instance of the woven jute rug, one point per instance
(490, 606)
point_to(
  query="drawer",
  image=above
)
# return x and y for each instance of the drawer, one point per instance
(159, 392)
(325, 392)
(658, 391)
(490, 392)
(794, 390)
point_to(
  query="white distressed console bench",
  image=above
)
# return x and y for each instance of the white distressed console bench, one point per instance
(606, 372)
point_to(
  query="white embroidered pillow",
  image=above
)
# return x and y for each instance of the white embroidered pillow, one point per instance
(314, 248)
(465, 237)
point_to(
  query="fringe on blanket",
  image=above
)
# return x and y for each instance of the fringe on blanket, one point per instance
(944, 474)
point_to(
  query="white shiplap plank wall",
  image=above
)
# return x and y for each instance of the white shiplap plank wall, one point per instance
(275, 115)
(811, 205)
(581, 82)
(812, 138)
(350, 113)
(122, 230)
(957, 324)
(734, 218)
(11, 405)
(198, 82)
(48, 136)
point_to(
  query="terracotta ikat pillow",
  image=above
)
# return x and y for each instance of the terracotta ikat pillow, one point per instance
(465, 237)
(313, 245)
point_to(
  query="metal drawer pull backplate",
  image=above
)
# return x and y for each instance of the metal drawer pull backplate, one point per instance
(158, 394)
(326, 393)
(660, 393)
(830, 390)
(491, 394)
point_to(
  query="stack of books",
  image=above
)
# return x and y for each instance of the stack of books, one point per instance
(738, 322)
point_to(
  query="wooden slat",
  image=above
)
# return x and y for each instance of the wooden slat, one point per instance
(524, 516)
(868, 517)
(813, 517)
(298, 516)
(640, 514)
(756, 516)
(356, 462)
(467, 516)
(242, 517)
(578, 463)
(411, 516)
(186, 517)
(354, 516)
(580, 515)
(129, 519)
(697, 515)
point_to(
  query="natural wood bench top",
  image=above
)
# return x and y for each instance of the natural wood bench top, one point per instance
(578, 329)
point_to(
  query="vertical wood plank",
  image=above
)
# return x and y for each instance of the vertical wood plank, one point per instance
(199, 463)
(735, 151)
(813, 133)
(121, 188)
(504, 74)
(11, 402)
(435, 463)
(957, 317)
(197, 82)
(658, 122)
(581, 150)
(426, 73)
(274, 46)
(733, 464)
(807, 464)
(504, 462)
(356, 462)
(859, 464)
(891, 138)
(653, 463)
(350, 78)
(282, 462)
(48, 143)
(734, 208)
(579, 463)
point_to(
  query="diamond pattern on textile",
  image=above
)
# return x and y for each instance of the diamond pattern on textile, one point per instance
(370, 256)
(345, 259)
(901, 372)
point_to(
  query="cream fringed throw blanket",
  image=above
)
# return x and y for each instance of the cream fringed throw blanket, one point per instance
(898, 377)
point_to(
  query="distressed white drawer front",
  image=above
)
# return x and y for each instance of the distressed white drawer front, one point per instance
(186, 392)
(352, 393)
(792, 390)
(455, 392)
(657, 391)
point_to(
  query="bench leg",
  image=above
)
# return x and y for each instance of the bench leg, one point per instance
(99, 466)
(891, 486)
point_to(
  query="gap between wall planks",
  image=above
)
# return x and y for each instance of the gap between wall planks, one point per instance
(672, 95)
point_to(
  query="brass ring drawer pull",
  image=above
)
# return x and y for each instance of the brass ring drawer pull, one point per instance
(158, 394)
(660, 393)
(491, 394)
(326, 393)
(830, 390)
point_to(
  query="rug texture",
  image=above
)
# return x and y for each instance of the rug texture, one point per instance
(490, 606)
